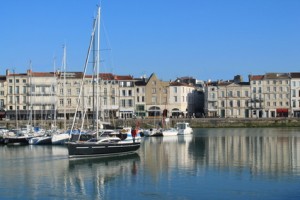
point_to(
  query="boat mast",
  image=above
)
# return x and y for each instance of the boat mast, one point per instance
(65, 92)
(98, 66)
(16, 110)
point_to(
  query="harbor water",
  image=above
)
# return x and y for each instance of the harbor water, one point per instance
(240, 163)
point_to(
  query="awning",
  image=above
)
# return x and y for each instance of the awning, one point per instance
(282, 110)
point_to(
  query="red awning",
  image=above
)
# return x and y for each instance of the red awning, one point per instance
(282, 110)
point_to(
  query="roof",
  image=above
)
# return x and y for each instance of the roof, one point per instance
(277, 76)
(256, 77)
(295, 74)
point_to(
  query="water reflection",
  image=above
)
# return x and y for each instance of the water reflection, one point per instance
(163, 168)
(164, 154)
(269, 152)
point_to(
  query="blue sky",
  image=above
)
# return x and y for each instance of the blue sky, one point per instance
(212, 39)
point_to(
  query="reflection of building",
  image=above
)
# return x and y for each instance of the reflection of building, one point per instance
(268, 153)
(167, 154)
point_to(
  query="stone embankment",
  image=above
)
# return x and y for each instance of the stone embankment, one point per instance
(194, 122)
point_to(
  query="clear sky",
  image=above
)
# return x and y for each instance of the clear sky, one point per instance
(205, 39)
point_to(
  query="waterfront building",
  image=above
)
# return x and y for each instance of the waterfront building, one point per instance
(258, 97)
(68, 89)
(39, 95)
(16, 99)
(277, 94)
(295, 94)
(109, 96)
(156, 97)
(211, 99)
(2, 96)
(126, 93)
(140, 95)
(181, 99)
(233, 98)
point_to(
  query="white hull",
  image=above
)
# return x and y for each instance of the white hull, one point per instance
(60, 138)
(170, 132)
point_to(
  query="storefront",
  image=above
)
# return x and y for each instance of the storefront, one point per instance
(282, 112)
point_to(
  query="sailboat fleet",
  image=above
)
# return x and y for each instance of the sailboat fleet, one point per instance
(98, 141)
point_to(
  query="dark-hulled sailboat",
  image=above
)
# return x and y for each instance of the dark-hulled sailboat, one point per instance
(100, 146)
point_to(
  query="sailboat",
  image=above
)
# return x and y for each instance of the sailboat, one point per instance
(100, 146)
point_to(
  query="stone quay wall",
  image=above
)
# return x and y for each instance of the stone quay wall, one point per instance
(151, 122)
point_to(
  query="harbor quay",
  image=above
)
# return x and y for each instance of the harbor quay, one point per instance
(144, 123)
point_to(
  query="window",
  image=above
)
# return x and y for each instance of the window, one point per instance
(17, 80)
(123, 103)
(175, 98)
(238, 103)
(17, 99)
(138, 99)
(17, 90)
(175, 89)
(130, 104)
(231, 103)
(123, 93)
(24, 80)
(43, 90)
(238, 93)
(105, 91)
(153, 100)
(69, 102)
(113, 100)
(130, 93)
(10, 91)
(230, 94)
(137, 90)
(69, 92)
(153, 90)
(259, 90)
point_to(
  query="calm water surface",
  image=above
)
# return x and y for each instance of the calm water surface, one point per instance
(210, 164)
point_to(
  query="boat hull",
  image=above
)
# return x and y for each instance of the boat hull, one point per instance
(40, 141)
(91, 149)
(17, 140)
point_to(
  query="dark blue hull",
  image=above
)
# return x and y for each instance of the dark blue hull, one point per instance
(92, 149)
